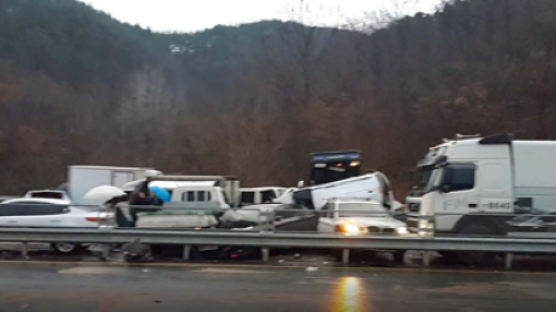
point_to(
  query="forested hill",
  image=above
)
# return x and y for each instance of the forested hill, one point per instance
(78, 87)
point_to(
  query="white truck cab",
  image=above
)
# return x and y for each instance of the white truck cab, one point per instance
(474, 185)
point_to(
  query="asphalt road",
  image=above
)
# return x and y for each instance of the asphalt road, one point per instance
(208, 287)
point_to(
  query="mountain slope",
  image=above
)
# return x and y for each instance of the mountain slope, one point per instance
(77, 86)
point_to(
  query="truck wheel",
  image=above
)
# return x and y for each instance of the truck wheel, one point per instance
(399, 256)
(449, 256)
(66, 248)
(477, 257)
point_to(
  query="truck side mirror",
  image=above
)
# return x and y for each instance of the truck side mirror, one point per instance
(445, 188)
(300, 184)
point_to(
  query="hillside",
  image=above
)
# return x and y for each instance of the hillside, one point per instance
(78, 87)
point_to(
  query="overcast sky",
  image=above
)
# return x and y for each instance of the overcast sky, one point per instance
(194, 15)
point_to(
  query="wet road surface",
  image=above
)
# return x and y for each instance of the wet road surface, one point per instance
(204, 287)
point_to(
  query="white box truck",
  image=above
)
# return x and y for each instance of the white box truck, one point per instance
(83, 178)
(476, 185)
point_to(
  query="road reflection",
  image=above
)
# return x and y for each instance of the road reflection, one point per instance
(349, 295)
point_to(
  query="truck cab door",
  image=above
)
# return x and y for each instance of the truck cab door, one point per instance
(458, 195)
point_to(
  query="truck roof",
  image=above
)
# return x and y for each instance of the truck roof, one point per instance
(108, 167)
(261, 188)
(191, 178)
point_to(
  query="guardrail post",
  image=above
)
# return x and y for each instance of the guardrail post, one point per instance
(105, 253)
(186, 252)
(426, 258)
(24, 251)
(265, 253)
(508, 260)
(273, 220)
(345, 256)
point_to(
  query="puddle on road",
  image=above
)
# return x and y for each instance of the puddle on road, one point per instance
(229, 271)
(90, 270)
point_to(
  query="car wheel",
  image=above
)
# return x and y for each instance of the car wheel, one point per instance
(66, 248)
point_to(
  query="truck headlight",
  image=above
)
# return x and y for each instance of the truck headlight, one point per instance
(426, 227)
(402, 230)
(425, 224)
(351, 229)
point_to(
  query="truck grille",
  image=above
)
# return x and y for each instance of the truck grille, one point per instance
(413, 207)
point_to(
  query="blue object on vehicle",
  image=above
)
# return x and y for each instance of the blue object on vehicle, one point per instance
(161, 193)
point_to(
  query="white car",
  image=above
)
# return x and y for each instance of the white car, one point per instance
(49, 212)
(358, 216)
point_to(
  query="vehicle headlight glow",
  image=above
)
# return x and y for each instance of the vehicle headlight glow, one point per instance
(351, 229)
(425, 224)
(426, 227)
(401, 230)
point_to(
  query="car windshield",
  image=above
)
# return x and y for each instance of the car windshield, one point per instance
(361, 210)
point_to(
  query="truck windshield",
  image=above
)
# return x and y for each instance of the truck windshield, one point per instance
(425, 180)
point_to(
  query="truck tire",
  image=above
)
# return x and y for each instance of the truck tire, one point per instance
(63, 248)
(477, 257)
(399, 256)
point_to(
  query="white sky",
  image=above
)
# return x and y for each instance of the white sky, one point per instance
(193, 15)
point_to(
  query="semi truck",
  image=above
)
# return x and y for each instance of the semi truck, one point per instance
(477, 185)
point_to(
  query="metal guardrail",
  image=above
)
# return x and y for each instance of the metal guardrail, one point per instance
(266, 236)
(279, 240)
(266, 240)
